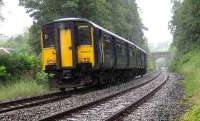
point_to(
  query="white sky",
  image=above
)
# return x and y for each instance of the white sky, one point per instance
(16, 19)
(155, 15)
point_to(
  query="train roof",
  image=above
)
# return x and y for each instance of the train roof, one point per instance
(99, 27)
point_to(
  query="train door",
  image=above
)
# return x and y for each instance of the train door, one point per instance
(65, 45)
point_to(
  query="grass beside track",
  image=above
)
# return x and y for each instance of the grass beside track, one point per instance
(189, 66)
(21, 88)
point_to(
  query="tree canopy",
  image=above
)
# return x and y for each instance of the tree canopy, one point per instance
(185, 25)
(118, 16)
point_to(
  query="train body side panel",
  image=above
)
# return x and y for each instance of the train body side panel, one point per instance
(97, 48)
(48, 57)
(86, 54)
(122, 57)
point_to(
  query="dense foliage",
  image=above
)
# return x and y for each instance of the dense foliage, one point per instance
(18, 44)
(189, 66)
(20, 60)
(19, 70)
(185, 25)
(15, 64)
(119, 16)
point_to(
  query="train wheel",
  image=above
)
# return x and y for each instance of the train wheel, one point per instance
(100, 81)
(75, 88)
(62, 89)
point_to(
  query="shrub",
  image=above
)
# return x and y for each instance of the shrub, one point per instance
(3, 71)
(18, 64)
(42, 78)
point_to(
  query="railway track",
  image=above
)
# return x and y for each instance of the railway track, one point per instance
(103, 104)
(44, 99)
(32, 101)
(133, 105)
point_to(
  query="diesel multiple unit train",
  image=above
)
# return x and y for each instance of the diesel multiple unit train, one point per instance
(79, 52)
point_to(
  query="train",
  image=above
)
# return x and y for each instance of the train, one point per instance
(78, 52)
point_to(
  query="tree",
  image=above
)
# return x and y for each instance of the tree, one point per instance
(185, 25)
(118, 16)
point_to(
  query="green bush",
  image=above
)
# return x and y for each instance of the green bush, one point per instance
(42, 78)
(3, 71)
(18, 64)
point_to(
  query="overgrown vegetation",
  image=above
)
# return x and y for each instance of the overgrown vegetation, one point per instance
(185, 27)
(21, 88)
(189, 66)
(20, 73)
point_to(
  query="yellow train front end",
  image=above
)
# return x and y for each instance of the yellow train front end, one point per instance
(68, 52)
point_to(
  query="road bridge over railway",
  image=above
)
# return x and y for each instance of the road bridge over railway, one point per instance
(161, 55)
(157, 55)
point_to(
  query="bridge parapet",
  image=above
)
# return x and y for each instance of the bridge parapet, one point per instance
(157, 55)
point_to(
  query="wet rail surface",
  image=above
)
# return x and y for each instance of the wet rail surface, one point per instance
(44, 99)
(68, 114)
(134, 104)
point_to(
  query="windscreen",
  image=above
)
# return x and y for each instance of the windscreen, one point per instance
(84, 34)
(48, 36)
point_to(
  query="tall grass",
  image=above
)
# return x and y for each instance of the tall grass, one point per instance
(189, 65)
(21, 88)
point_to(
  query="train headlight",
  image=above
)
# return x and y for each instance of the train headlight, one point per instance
(86, 60)
(50, 62)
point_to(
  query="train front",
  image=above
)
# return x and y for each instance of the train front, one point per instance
(68, 52)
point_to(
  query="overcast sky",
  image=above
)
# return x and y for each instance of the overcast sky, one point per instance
(16, 19)
(155, 15)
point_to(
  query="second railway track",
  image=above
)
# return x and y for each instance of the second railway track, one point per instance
(106, 106)
(31, 102)
(42, 99)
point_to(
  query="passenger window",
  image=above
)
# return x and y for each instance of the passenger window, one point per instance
(107, 44)
(119, 49)
(123, 50)
(84, 34)
(131, 52)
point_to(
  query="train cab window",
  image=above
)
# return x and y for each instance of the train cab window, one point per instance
(48, 37)
(84, 34)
